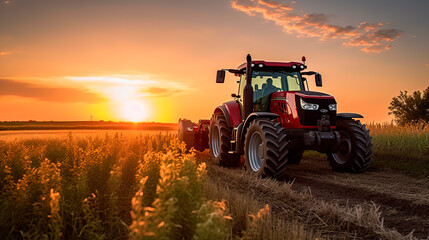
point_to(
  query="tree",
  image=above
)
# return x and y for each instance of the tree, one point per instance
(411, 109)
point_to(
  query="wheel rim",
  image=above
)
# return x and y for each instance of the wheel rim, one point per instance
(256, 151)
(215, 141)
(344, 149)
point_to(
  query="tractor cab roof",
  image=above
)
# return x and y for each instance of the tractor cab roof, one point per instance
(273, 66)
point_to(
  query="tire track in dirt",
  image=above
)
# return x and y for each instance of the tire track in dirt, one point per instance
(403, 200)
(399, 214)
(405, 215)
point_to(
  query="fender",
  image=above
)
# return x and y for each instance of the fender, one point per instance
(231, 111)
(243, 127)
(348, 115)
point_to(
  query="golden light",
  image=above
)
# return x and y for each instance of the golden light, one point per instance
(129, 104)
(134, 111)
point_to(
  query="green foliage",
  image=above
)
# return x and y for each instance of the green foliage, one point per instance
(411, 109)
(178, 209)
(404, 148)
(81, 188)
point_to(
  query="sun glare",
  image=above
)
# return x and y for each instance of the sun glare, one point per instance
(134, 111)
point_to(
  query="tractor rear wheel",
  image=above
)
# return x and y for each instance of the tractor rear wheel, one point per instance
(220, 142)
(185, 134)
(266, 148)
(294, 156)
(355, 149)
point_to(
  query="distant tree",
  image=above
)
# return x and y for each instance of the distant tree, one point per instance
(411, 109)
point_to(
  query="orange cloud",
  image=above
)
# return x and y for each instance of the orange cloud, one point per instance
(161, 92)
(136, 85)
(367, 36)
(49, 94)
(2, 53)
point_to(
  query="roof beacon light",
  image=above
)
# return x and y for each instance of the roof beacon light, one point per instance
(303, 60)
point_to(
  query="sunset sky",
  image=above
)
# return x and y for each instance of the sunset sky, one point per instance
(141, 60)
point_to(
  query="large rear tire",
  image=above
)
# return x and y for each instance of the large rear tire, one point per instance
(355, 150)
(185, 134)
(220, 142)
(266, 149)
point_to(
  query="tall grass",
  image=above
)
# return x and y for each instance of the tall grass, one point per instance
(401, 147)
(75, 188)
(111, 187)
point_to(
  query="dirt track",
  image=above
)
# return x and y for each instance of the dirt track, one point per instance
(403, 200)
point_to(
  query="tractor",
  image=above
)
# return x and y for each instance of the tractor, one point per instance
(274, 118)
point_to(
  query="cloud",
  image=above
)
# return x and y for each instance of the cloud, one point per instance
(49, 94)
(136, 85)
(369, 37)
(116, 80)
(161, 92)
(2, 53)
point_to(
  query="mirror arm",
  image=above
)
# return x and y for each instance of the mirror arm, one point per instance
(308, 73)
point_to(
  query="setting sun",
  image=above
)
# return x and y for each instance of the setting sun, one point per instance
(134, 111)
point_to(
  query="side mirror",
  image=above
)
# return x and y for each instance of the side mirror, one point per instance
(220, 76)
(318, 78)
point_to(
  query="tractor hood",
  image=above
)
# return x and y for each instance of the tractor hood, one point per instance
(310, 94)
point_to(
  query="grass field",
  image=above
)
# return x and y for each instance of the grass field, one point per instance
(85, 125)
(403, 148)
(85, 188)
(141, 185)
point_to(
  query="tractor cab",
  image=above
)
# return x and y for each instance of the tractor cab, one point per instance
(266, 83)
(281, 88)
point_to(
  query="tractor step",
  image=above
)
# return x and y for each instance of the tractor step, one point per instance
(233, 147)
(234, 141)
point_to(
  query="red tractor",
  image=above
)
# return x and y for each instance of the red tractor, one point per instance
(274, 118)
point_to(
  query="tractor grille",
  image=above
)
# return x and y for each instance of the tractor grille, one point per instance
(282, 107)
(310, 117)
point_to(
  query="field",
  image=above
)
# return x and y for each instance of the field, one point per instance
(401, 148)
(85, 125)
(110, 184)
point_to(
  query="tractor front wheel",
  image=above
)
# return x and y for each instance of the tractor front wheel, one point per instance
(266, 149)
(355, 148)
(220, 142)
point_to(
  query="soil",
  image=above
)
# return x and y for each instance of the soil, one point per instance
(403, 200)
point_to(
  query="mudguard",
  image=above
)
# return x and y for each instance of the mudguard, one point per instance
(348, 115)
(231, 111)
(222, 109)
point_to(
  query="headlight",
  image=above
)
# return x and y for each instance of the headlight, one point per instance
(333, 107)
(309, 106)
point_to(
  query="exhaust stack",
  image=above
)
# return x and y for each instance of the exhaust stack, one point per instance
(248, 89)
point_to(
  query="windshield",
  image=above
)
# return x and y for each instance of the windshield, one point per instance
(265, 83)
